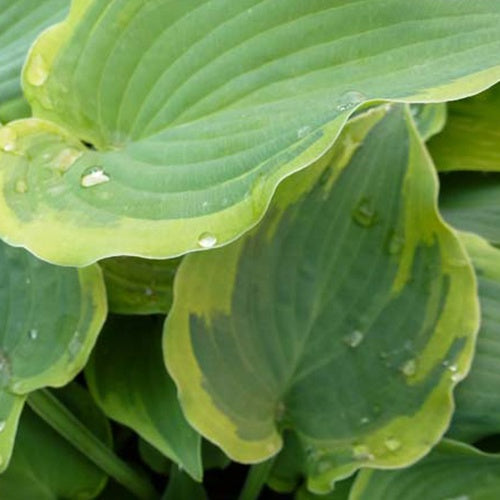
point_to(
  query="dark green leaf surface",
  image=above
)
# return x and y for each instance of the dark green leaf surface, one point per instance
(128, 380)
(139, 286)
(21, 21)
(50, 318)
(453, 471)
(45, 466)
(182, 487)
(471, 202)
(471, 139)
(199, 108)
(334, 317)
(477, 398)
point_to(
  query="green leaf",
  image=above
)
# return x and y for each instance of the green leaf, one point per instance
(155, 460)
(198, 109)
(139, 286)
(471, 202)
(266, 334)
(453, 471)
(429, 118)
(45, 466)
(471, 139)
(128, 380)
(50, 318)
(182, 487)
(21, 21)
(477, 413)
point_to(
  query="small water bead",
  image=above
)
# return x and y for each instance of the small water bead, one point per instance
(354, 338)
(21, 186)
(409, 368)
(207, 240)
(33, 334)
(392, 444)
(364, 214)
(94, 176)
(2, 425)
(37, 72)
(8, 139)
(302, 132)
(351, 99)
(364, 421)
(362, 452)
(148, 292)
(66, 158)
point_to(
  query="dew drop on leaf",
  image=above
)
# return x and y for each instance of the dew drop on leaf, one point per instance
(66, 158)
(362, 452)
(33, 334)
(351, 99)
(37, 72)
(7, 139)
(409, 368)
(93, 176)
(302, 132)
(354, 338)
(148, 292)
(207, 240)
(364, 214)
(392, 444)
(2, 425)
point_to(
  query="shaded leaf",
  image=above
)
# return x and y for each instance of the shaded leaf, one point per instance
(266, 334)
(198, 109)
(21, 21)
(452, 471)
(139, 286)
(182, 487)
(50, 319)
(471, 139)
(45, 466)
(477, 398)
(429, 118)
(128, 380)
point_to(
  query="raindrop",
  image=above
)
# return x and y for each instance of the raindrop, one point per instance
(354, 338)
(362, 452)
(21, 186)
(351, 99)
(207, 240)
(33, 334)
(66, 158)
(94, 176)
(2, 425)
(148, 292)
(392, 444)
(364, 214)
(409, 368)
(302, 132)
(7, 139)
(456, 377)
(37, 72)
(364, 421)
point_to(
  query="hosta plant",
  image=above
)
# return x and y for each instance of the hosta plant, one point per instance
(249, 249)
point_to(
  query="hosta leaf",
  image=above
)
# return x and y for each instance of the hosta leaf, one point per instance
(453, 471)
(50, 319)
(21, 21)
(334, 317)
(45, 466)
(128, 380)
(471, 202)
(182, 487)
(139, 286)
(477, 413)
(471, 139)
(199, 108)
(429, 118)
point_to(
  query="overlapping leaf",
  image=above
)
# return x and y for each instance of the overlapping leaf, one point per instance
(129, 382)
(198, 109)
(21, 21)
(338, 316)
(452, 471)
(477, 413)
(50, 319)
(45, 466)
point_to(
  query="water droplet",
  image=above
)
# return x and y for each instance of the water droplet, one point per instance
(409, 368)
(302, 132)
(364, 214)
(362, 452)
(364, 421)
(207, 240)
(148, 292)
(37, 72)
(396, 244)
(7, 139)
(2, 425)
(21, 186)
(33, 334)
(351, 99)
(392, 444)
(75, 345)
(453, 368)
(66, 158)
(94, 176)
(28, 281)
(354, 338)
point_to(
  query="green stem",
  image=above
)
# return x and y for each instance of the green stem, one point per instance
(54, 413)
(256, 480)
